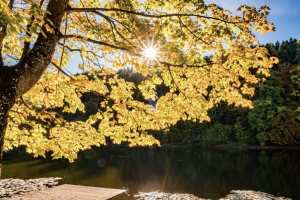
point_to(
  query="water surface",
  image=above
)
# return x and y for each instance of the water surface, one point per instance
(207, 173)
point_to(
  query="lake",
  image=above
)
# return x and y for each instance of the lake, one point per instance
(206, 173)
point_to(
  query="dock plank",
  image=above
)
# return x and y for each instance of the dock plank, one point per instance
(74, 192)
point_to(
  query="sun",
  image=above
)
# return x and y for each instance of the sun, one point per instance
(150, 53)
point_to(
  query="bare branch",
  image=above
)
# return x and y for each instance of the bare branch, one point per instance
(62, 71)
(13, 57)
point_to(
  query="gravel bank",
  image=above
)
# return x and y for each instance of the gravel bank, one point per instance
(250, 195)
(165, 196)
(16, 187)
(234, 195)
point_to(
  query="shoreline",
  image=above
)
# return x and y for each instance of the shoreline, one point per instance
(11, 188)
(233, 195)
(212, 147)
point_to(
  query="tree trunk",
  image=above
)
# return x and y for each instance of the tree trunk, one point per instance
(18, 79)
(3, 125)
(7, 100)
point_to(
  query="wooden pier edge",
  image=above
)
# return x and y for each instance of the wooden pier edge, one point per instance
(74, 192)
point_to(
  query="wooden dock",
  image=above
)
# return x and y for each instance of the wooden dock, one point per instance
(74, 192)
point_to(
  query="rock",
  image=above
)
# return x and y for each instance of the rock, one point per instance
(165, 196)
(251, 195)
(15, 187)
(234, 195)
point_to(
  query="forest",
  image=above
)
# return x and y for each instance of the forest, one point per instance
(274, 120)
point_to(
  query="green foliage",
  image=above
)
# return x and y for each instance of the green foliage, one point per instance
(186, 132)
(261, 117)
(243, 134)
(288, 51)
(217, 134)
(262, 138)
(298, 113)
(297, 57)
(296, 77)
(295, 83)
(265, 108)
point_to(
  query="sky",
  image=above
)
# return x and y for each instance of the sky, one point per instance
(285, 14)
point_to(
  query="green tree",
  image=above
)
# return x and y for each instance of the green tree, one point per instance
(297, 57)
(217, 134)
(288, 50)
(266, 107)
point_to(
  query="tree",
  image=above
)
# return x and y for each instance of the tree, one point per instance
(265, 109)
(42, 36)
(285, 129)
(288, 51)
(297, 57)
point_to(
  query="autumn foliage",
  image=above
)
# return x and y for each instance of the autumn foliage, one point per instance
(285, 129)
(117, 32)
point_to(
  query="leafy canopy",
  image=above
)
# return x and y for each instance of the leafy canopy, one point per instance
(116, 32)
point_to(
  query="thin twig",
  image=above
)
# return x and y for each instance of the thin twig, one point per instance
(59, 69)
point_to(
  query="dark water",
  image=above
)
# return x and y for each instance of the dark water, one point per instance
(207, 173)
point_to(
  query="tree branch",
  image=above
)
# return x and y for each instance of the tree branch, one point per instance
(33, 66)
(3, 33)
(174, 82)
(181, 22)
(62, 71)
(42, 111)
(146, 15)
(94, 41)
(63, 51)
(79, 50)
(26, 47)
(113, 27)
(192, 66)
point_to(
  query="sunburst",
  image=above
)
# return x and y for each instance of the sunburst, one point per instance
(150, 51)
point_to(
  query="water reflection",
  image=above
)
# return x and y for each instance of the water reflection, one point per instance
(207, 173)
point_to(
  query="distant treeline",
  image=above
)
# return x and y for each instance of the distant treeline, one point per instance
(275, 119)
